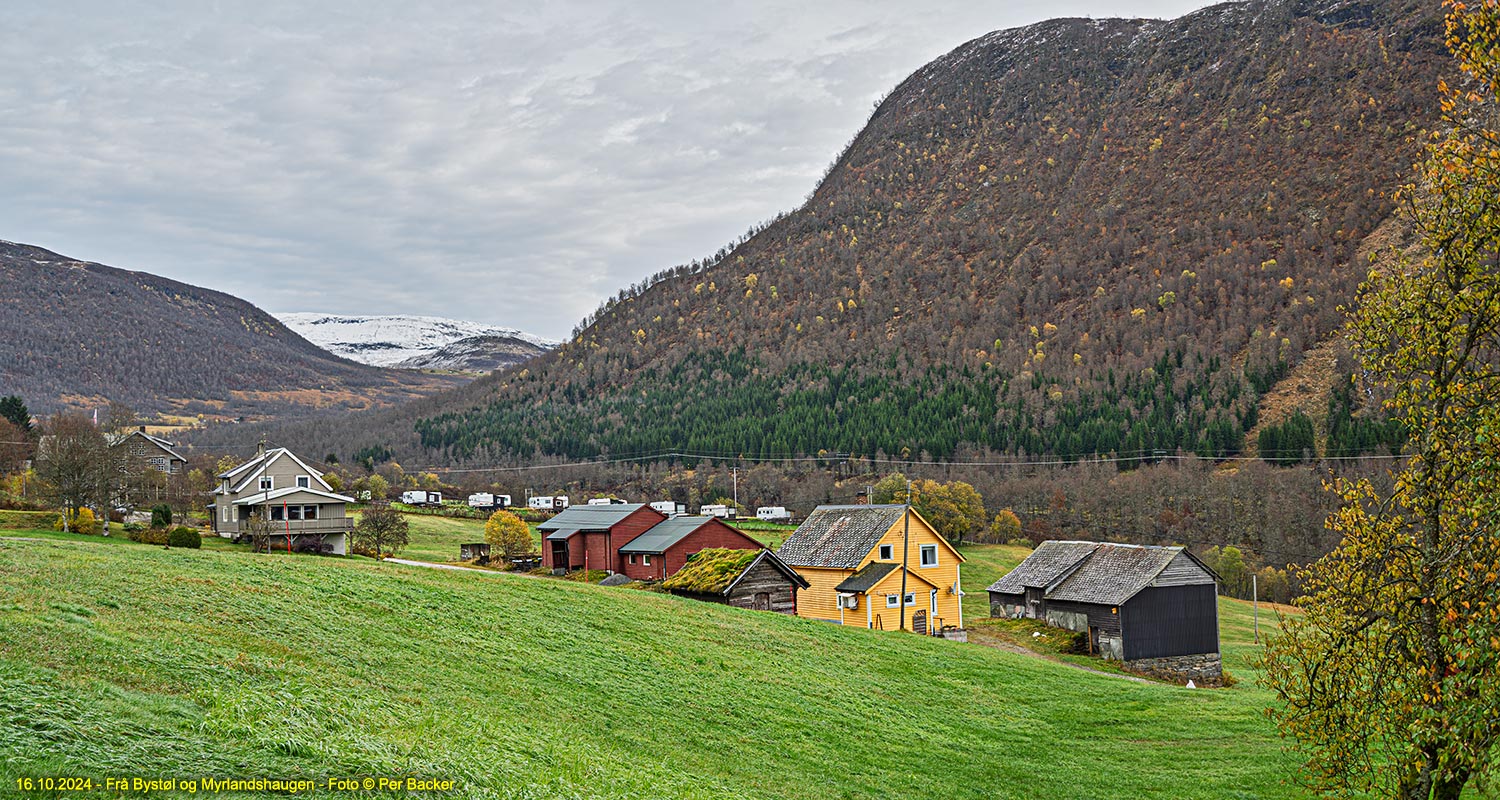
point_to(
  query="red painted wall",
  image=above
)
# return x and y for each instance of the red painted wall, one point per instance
(712, 534)
(602, 549)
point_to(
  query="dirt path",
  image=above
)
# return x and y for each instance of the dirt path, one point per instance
(431, 565)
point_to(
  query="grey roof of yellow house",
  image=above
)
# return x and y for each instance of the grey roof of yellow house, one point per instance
(866, 578)
(839, 537)
(1100, 572)
(587, 518)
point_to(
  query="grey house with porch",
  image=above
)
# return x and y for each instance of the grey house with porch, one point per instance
(302, 510)
(1155, 608)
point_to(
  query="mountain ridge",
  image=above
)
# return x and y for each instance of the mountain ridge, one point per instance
(1079, 237)
(411, 341)
(82, 334)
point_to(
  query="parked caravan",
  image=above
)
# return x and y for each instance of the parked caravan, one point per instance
(548, 502)
(773, 513)
(720, 511)
(488, 500)
(422, 497)
(668, 507)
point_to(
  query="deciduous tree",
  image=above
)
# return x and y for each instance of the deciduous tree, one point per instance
(506, 532)
(1390, 682)
(381, 531)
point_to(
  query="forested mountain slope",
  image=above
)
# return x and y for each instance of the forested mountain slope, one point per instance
(81, 334)
(1082, 236)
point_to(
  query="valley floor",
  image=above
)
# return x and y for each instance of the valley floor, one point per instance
(118, 659)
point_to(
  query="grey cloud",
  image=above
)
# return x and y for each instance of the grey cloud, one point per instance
(513, 164)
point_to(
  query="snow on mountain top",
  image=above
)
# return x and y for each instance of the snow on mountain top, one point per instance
(385, 340)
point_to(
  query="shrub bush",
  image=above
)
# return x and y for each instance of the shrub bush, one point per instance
(161, 516)
(82, 521)
(147, 535)
(183, 536)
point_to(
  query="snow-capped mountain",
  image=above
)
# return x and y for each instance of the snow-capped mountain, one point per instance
(388, 341)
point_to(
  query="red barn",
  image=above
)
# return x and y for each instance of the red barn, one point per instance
(586, 537)
(661, 551)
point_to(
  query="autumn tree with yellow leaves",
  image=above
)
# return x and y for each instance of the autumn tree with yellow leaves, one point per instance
(1390, 681)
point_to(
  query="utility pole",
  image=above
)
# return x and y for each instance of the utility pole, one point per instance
(905, 546)
(1255, 603)
(734, 473)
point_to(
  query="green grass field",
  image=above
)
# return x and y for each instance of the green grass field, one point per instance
(126, 659)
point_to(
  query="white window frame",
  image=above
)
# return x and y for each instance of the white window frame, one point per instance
(890, 601)
(911, 598)
(925, 549)
(646, 560)
(225, 513)
(887, 552)
(267, 483)
(304, 482)
(632, 558)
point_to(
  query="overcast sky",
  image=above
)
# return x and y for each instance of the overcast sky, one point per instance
(508, 163)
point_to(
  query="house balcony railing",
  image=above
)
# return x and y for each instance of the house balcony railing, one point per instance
(296, 526)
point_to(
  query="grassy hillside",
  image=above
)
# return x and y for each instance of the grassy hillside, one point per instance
(130, 659)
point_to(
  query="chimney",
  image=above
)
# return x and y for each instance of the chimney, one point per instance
(260, 449)
(143, 429)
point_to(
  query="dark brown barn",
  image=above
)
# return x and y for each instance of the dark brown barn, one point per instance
(1155, 608)
(754, 579)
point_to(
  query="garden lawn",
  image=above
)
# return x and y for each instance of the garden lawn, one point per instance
(437, 539)
(137, 660)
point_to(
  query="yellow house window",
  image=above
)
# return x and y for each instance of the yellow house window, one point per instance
(887, 552)
(929, 555)
(890, 601)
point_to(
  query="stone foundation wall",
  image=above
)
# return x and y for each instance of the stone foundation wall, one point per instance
(1203, 669)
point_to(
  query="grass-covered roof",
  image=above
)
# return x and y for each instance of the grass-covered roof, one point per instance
(710, 571)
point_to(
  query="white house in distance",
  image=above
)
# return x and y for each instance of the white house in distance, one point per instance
(277, 485)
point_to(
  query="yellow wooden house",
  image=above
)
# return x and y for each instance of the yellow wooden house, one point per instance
(853, 558)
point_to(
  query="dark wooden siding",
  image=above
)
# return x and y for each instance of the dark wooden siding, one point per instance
(1171, 621)
(765, 578)
(1183, 571)
(1099, 616)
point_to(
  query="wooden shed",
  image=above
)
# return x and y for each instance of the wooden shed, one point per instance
(1155, 608)
(754, 579)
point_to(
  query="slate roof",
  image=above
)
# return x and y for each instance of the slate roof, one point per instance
(1048, 562)
(865, 579)
(590, 518)
(839, 537)
(1101, 573)
(661, 536)
(156, 440)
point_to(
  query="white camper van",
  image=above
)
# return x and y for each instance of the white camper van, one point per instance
(422, 497)
(773, 513)
(720, 511)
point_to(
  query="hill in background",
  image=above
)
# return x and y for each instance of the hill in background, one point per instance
(79, 334)
(412, 342)
(1078, 237)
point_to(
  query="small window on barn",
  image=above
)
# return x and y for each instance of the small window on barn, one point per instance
(929, 555)
(890, 601)
(632, 558)
(646, 560)
(887, 552)
(303, 482)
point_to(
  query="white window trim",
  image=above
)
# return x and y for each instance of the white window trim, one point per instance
(304, 482)
(890, 601)
(911, 598)
(225, 513)
(267, 483)
(887, 552)
(924, 550)
(646, 560)
(632, 558)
